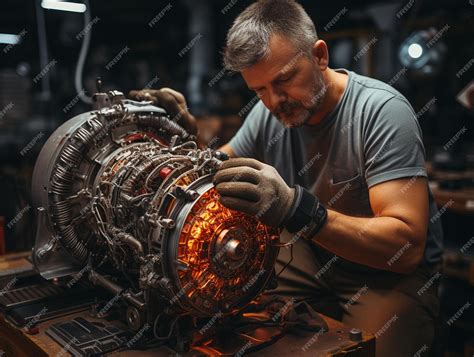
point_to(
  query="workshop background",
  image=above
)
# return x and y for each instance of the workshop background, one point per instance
(50, 60)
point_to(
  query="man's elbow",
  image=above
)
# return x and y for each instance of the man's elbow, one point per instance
(413, 255)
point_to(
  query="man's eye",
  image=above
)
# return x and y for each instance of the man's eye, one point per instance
(284, 79)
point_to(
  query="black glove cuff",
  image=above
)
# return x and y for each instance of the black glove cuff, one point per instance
(307, 209)
(294, 204)
(318, 221)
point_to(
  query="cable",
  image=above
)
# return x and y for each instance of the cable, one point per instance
(43, 49)
(82, 57)
(289, 261)
(170, 334)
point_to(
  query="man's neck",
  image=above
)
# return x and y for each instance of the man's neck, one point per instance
(336, 84)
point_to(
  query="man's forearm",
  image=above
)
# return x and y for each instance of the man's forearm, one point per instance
(380, 242)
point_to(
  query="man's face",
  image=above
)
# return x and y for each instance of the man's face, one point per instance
(289, 83)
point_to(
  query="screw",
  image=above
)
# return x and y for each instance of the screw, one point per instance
(355, 335)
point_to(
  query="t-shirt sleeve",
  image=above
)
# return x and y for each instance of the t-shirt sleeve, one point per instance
(393, 144)
(245, 141)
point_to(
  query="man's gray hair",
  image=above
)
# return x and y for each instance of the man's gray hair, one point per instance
(248, 38)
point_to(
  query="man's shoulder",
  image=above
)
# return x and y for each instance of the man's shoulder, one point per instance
(374, 86)
(374, 95)
(260, 118)
(258, 112)
(377, 89)
(259, 132)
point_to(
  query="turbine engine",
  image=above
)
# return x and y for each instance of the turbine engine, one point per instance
(123, 195)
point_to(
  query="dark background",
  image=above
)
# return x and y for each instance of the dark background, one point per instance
(152, 58)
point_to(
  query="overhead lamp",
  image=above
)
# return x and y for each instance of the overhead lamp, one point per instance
(9, 39)
(63, 6)
(423, 52)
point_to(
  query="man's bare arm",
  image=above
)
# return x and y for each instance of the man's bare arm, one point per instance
(227, 149)
(394, 239)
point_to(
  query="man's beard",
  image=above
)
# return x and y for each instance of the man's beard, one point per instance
(293, 114)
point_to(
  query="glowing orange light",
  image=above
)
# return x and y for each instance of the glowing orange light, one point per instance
(222, 250)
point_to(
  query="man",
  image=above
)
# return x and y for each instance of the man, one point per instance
(337, 159)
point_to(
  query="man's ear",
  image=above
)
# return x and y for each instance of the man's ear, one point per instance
(320, 54)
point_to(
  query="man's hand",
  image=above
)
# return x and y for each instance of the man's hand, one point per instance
(250, 186)
(172, 101)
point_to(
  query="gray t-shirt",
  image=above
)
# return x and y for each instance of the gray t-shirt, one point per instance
(371, 136)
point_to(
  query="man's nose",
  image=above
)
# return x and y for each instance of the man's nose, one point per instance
(276, 98)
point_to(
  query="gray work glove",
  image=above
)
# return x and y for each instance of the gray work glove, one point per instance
(250, 186)
(173, 102)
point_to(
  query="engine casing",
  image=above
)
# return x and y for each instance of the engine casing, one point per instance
(124, 196)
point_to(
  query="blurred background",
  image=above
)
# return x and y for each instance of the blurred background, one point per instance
(51, 53)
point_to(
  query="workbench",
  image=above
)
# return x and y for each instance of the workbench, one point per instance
(19, 342)
(16, 342)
